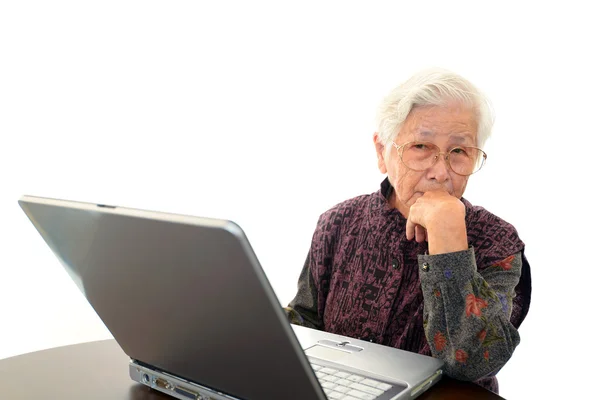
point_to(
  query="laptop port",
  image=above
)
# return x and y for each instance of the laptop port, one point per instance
(187, 393)
(163, 384)
(146, 378)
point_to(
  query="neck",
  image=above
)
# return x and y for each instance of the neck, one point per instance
(394, 202)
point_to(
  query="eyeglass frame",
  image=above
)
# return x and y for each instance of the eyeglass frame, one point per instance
(400, 151)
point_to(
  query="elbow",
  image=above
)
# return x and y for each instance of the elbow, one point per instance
(468, 374)
(484, 360)
(480, 364)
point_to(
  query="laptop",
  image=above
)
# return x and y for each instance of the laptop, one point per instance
(187, 300)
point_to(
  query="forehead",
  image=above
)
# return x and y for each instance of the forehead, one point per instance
(453, 124)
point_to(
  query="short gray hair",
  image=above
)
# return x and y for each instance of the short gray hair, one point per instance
(432, 87)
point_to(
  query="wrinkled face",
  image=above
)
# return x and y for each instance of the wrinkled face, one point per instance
(446, 127)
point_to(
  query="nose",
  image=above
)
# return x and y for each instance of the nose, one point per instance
(440, 170)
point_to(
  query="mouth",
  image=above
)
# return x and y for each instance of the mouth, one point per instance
(420, 194)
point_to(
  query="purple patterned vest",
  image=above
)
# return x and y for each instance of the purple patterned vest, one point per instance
(368, 284)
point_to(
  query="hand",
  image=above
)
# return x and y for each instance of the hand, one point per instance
(438, 218)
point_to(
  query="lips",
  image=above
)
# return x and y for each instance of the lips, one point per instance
(435, 189)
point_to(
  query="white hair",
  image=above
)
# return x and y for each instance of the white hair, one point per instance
(432, 87)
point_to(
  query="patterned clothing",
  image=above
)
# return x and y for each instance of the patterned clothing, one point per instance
(364, 279)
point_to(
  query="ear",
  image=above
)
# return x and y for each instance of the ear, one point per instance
(380, 149)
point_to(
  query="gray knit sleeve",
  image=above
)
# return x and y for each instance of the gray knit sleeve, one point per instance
(302, 310)
(467, 312)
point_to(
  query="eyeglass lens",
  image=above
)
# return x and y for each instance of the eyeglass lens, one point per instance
(422, 155)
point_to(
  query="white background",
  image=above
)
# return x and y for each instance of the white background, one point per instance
(263, 113)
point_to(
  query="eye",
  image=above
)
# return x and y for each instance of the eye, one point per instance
(422, 146)
(459, 151)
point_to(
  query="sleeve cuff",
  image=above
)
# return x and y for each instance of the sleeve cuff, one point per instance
(458, 266)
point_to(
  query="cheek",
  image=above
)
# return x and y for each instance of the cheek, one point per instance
(405, 184)
(459, 185)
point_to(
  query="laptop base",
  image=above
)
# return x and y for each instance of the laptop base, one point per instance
(172, 385)
(185, 390)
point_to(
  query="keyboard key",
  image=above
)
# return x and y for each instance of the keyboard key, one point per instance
(331, 378)
(343, 382)
(370, 382)
(361, 395)
(342, 374)
(335, 395)
(355, 378)
(328, 385)
(315, 367)
(367, 389)
(320, 375)
(342, 389)
(384, 386)
(329, 371)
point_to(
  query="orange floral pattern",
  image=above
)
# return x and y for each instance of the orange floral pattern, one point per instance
(440, 341)
(481, 335)
(474, 305)
(486, 355)
(505, 264)
(461, 356)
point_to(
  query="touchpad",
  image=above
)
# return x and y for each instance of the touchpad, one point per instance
(326, 353)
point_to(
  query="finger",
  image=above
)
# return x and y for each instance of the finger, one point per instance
(410, 230)
(420, 233)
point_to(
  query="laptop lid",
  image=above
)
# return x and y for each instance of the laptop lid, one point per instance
(183, 294)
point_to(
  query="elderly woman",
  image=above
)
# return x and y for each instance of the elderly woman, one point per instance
(415, 265)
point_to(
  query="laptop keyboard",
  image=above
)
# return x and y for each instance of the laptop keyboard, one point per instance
(348, 386)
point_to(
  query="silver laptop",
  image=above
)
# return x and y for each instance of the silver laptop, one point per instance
(188, 302)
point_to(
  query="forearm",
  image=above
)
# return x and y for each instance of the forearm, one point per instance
(467, 318)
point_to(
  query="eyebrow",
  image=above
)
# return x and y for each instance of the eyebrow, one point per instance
(459, 139)
(425, 134)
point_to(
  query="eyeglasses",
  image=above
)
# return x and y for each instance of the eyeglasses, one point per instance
(420, 156)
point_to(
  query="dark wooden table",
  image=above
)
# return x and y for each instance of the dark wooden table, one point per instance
(99, 370)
